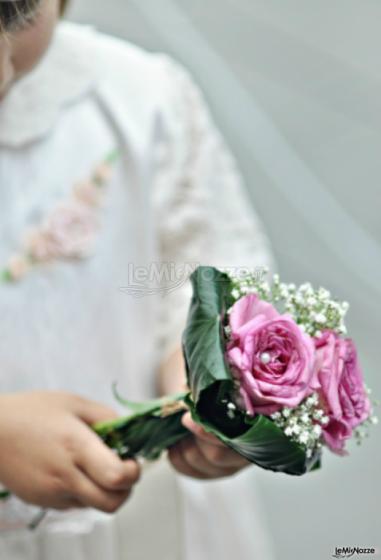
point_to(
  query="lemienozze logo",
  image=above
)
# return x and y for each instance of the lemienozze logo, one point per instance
(349, 551)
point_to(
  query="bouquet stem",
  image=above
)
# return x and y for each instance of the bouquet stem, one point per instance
(152, 427)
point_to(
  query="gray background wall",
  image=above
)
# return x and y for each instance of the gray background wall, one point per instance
(296, 87)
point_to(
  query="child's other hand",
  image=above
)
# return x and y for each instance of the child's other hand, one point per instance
(203, 456)
(50, 457)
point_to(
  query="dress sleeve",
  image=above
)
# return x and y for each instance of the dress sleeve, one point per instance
(203, 212)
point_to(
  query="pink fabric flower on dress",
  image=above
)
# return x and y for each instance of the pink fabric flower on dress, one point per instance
(17, 267)
(271, 357)
(68, 232)
(342, 388)
(103, 173)
(87, 192)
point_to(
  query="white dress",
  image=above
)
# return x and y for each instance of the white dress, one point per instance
(175, 197)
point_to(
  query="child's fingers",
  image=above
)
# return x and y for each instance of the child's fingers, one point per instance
(213, 464)
(212, 449)
(103, 466)
(199, 432)
(177, 460)
(92, 412)
(90, 495)
(187, 459)
(221, 457)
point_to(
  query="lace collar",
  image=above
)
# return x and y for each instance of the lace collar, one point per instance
(33, 105)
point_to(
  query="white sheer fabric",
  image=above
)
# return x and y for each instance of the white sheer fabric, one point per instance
(175, 196)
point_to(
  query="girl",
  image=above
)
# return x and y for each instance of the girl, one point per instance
(109, 167)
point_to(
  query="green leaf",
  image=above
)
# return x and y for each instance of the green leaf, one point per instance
(154, 426)
(145, 436)
(147, 406)
(203, 339)
(266, 445)
(261, 442)
(113, 156)
(5, 276)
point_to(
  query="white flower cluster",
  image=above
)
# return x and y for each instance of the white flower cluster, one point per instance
(362, 431)
(303, 424)
(313, 310)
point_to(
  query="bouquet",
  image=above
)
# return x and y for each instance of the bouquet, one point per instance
(270, 372)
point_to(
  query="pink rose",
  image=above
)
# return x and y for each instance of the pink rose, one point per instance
(271, 357)
(342, 388)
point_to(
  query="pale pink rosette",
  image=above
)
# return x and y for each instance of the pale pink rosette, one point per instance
(18, 266)
(87, 192)
(342, 389)
(103, 173)
(270, 356)
(68, 232)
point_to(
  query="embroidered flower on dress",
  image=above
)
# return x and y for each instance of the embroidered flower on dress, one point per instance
(68, 232)
(102, 173)
(18, 266)
(88, 193)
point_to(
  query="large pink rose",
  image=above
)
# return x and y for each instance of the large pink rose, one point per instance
(270, 356)
(342, 388)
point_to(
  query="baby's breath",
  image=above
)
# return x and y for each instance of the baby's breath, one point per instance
(362, 431)
(303, 424)
(312, 309)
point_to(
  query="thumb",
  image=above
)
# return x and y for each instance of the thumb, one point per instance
(198, 431)
(92, 412)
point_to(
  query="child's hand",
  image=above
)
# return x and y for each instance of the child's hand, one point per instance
(203, 456)
(50, 457)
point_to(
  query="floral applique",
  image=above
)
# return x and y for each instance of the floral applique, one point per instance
(68, 231)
